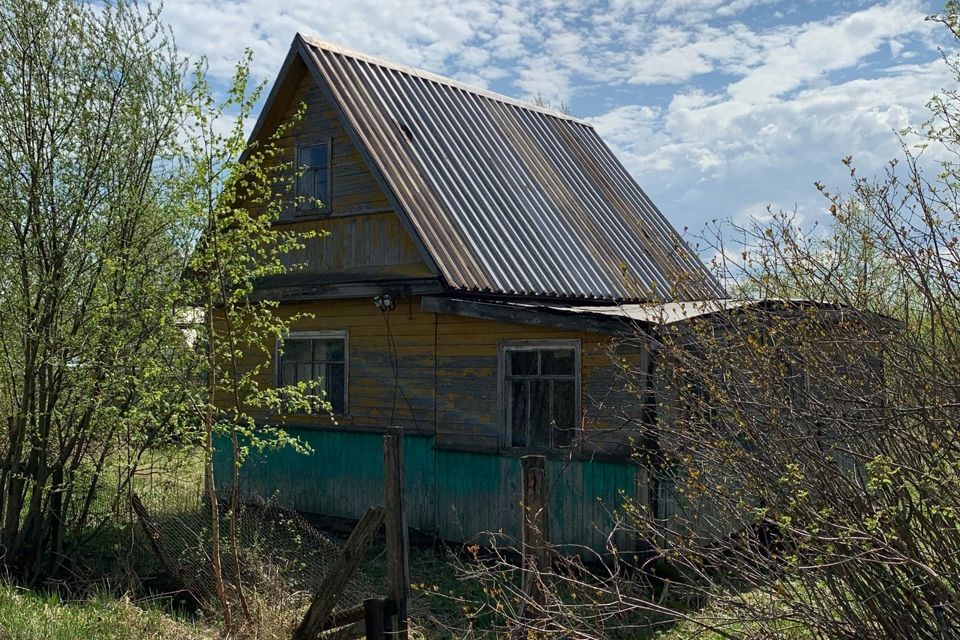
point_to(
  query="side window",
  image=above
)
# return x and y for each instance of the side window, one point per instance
(314, 182)
(541, 388)
(319, 358)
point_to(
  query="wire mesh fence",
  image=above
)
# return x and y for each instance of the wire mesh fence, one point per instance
(272, 556)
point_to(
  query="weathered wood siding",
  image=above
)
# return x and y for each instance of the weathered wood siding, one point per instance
(362, 229)
(448, 373)
(467, 407)
(457, 495)
(371, 398)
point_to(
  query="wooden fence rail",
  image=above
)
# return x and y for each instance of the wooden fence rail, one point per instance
(318, 616)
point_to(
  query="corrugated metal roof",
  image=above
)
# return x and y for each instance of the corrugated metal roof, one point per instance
(508, 198)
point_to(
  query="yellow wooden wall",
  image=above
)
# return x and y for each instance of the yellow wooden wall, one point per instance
(447, 364)
(448, 372)
(363, 229)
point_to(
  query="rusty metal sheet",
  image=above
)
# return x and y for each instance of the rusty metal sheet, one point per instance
(508, 198)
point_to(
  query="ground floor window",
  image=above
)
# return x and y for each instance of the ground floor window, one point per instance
(540, 392)
(317, 357)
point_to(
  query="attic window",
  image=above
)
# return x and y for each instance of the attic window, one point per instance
(314, 182)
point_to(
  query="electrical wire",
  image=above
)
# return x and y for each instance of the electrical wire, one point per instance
(395, 365)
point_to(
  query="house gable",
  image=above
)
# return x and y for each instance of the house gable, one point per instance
(362, 239)
(499, 197)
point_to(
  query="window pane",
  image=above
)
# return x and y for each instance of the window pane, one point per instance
(313, 182)
(336, 380)
(328, 350)
(522, 363)
(539, 413)
(320, 192)
(304, 373)
(314, 156)
(288, 374)
(319, 377)
(564, 412)
(305, 184)
(518, 413)
(296, 351)
(556, 362)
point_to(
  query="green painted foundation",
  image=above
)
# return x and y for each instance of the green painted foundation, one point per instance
(457, 496)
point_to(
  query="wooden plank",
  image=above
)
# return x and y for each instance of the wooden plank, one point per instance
(474, 441)
(536, 523)
(152, 532)
(345, 617)
(594, 323)
(336, 580)
(397, 536)
(352, 631)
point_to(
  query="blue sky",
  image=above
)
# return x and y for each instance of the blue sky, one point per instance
(718, 108)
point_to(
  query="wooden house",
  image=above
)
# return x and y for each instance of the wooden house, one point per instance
(483, 255)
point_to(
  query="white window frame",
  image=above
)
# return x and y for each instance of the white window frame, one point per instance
(302, 335)
(309, 208)
(503, 402)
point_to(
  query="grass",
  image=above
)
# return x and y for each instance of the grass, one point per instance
(691, 631)
(437, 595)
(170, 484)
(168, 480)
(29, 615)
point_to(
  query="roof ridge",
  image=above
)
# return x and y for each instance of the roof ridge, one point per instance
(428, 75)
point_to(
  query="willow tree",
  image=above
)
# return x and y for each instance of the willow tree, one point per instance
(91, 249)
(233, 191)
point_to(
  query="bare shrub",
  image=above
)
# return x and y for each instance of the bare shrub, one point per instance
(804, 453)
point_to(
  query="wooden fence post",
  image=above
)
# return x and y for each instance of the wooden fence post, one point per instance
(398, 568)
(536, 523)
(374, 616)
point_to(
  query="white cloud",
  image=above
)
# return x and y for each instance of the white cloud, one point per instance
(716, 155)
(714, 105)
(821, 47)
(427, 33)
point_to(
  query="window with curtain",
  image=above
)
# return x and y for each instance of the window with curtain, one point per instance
(541, 386)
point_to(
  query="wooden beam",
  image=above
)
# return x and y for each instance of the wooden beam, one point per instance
(336, 580)
(334, 291)
(152, 531)
(352, 631)
(398, 568)
(344, 617)
(536, 525)
(505, 312)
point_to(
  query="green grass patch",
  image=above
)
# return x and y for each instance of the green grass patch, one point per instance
(30, 615)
